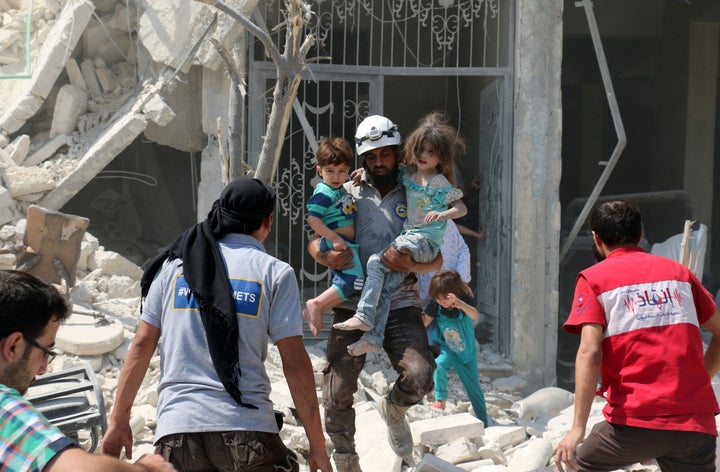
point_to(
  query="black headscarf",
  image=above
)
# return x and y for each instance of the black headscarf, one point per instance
(242, 206)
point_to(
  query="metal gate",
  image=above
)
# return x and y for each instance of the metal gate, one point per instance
(403, 58)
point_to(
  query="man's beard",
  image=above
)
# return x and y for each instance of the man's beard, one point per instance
(16, 376)
(597, 254)
(382, 181)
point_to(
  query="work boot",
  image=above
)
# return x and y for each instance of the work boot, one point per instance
(346, 462)
(399, 435)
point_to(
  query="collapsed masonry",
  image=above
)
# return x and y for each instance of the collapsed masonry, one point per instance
(523, 435)
(99, 76)
(94, 76)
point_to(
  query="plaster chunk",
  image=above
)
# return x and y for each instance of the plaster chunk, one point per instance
(7, 261)
(158, 111)
(532, 455)
(5, 160)
(47, 150)
(71, 103)
(18, 148)
(88, 72)
(107, 79)
(441, 430)
(431, 463)
(50, 62)
(504, 436)
(75, 74)
(458, 450)
(112, 263)
(27, 180)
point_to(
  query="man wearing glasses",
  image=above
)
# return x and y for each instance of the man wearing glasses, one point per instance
(30, 315)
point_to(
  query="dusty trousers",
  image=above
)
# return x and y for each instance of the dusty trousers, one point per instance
(406, 345)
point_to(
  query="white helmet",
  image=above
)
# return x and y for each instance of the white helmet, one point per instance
(374, 132)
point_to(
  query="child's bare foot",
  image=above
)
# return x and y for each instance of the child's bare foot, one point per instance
(353, 323)
(361, 347)
(439, 404)
(313, 314)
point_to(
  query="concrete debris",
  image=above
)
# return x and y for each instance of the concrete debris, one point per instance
(18, 148)
(48, 64)
(445, 440)
(47, 150)
(22, 181)
(71, 102)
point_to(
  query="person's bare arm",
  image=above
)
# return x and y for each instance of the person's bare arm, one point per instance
(75, 459)
(466, 308)
(400, 261)
(712, 354)
(338, 260)
(457, 210)
(427, 320)
(301, 381)
(119, 434)
(321, 228)
(587, 370)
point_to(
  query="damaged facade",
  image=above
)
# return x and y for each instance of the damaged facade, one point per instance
(118, 122)
(115, 117)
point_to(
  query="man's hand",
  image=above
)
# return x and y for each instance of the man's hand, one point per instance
(155, 463)
(338, 260)
(398, 260)
(118, 436)
(565, 453)
(339, 244)
(319, 460)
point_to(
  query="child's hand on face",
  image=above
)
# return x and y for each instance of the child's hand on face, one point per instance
(452, 300)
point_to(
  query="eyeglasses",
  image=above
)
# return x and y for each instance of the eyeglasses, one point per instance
(48, 353)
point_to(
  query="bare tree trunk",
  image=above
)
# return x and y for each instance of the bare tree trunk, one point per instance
(289, 66)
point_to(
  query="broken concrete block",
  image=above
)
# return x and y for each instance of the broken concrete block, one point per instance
(26, 180)
(81, 335)
(109, 144)
(431, 463)
(5, 160)
(441, 430)
(47, 150)
(71, 103)
(532, 455)
(158, 111)
(123, 18)
(492, 452)
(504, 436)
(550, 400)
(7, 261)
(7, 212)
(458, 450)
(481, 465)
(122, 286)
(101, 40)
(371, 441)
(18, 148)
(50, 62)
(88, 72)
(75, 75)
(510, 384)
(4, 141)
(112, 263)
(107, 79)
(185, 131)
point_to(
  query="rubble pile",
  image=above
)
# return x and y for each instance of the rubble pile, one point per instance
(522, 436)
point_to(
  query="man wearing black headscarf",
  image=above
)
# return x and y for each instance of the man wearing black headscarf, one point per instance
(217, 297)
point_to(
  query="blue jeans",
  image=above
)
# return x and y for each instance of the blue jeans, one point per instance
(381, 282)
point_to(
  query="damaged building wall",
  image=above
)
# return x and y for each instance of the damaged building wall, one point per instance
(109, 92)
